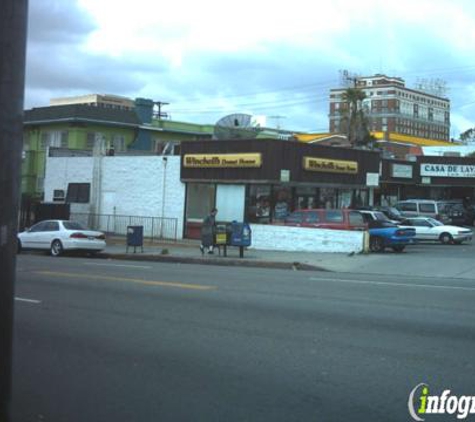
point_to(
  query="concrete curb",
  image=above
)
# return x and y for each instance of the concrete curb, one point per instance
(219, 261)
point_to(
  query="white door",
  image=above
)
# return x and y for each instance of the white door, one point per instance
(108, 204)
(424, 230)
(34, 239)
(230, 202)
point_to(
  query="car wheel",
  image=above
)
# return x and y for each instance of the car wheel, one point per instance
(398, 248)
(376, 244)
(446, 238)
(18, 247)
(56, 248)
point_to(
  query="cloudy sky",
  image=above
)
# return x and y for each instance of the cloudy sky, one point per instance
(279, 59)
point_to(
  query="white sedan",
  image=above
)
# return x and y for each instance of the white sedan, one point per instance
(430, 229)
(58, 236)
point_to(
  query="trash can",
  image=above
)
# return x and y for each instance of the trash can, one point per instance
(134, 237)
(221, 235)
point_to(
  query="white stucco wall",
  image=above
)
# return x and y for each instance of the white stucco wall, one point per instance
(300, 239)
(132, 186)
(61, 170)
(138, 184)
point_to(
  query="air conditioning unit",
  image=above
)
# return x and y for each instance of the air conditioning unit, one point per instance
(59, 195)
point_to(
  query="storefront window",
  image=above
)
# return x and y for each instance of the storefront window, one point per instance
(328, 198)
(344, 198)
(306, 198)
(258, 204)
(200, 200)
(282, 200)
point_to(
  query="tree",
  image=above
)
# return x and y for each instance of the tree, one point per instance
(468, 136)
(356, 119)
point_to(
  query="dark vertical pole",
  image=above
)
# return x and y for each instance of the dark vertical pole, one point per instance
(13, 18)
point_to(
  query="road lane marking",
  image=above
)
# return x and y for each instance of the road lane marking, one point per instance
(119, 265)
(129, 280)
(386, 283)
(22, 299)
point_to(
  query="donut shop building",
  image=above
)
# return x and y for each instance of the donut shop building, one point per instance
(262, 181)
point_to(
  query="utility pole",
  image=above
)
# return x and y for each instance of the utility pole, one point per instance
(13, 19)
(159, 105)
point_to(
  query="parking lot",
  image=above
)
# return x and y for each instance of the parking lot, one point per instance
(465, 250)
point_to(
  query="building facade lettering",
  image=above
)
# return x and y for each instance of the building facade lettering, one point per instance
(448, 170)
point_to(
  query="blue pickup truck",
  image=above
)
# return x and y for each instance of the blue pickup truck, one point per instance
(384, 233)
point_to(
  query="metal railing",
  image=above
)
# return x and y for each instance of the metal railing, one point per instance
(154, 228)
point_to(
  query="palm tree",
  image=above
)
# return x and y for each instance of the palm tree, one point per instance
(356, 120)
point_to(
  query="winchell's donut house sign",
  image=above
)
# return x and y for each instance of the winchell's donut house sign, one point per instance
(448, 170)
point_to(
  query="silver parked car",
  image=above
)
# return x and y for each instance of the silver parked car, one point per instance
(429, 229)
(57, 236)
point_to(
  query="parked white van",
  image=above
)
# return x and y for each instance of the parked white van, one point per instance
(425, 208)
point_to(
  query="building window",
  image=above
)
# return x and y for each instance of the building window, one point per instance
(40, 184)
(118, 143)
(282, 199)
(90, 139)
(95, 138)
(78, 192)
(44, 141)
(164, 148)
(57, 138)
(64, 139)
(200, 200)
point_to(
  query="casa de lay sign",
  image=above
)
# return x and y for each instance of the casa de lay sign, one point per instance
(247, 160)
(448, 170)
(330, 166)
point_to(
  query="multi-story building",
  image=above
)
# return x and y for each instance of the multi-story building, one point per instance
(82, 123)
(82, 126)
(392, 108)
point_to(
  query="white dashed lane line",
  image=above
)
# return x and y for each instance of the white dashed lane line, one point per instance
(23, 299)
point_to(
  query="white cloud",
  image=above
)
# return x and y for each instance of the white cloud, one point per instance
(274, 58)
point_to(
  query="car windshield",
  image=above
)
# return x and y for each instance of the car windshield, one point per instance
(394, 211)
(381, 216)
(73, 225)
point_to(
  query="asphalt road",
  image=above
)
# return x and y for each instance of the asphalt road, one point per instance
(100, 340)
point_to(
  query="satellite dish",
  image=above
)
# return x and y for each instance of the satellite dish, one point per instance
(236, 126)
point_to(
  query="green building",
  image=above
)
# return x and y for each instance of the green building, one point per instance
(112, 123)
(81, 127)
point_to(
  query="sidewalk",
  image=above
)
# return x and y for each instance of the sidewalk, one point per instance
(411, 263)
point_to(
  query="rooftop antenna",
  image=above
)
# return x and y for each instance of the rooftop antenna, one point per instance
(277, 120)
(348, 79)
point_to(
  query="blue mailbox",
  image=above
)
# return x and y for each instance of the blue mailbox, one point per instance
(134, 237)
(240, 234)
